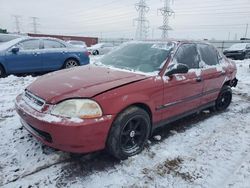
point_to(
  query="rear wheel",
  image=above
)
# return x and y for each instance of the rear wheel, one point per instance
(129, 133)
(70, 63)
(96, 52)
(224, 99)
(2, 72)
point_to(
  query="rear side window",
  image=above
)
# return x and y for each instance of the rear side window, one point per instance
(208, 54)
(48, 44)
(29, 45)
(187, 54)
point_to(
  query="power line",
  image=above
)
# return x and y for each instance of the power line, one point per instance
(246, 31)
(166, 12)
(142, 22)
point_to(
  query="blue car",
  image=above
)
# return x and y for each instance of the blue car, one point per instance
(32, 55)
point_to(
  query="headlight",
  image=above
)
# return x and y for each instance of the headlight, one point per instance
(78, 108)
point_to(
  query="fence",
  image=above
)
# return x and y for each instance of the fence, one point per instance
(224, 44)
(220, 44)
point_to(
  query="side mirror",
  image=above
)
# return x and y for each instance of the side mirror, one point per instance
(15, 50)
(177, 69)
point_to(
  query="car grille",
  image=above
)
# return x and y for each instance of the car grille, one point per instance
(33, 101)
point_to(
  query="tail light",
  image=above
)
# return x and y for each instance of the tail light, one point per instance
(86, 53)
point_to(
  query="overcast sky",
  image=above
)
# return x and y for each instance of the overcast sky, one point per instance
(193, 19)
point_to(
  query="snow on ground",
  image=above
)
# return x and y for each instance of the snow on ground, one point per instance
(205, 150)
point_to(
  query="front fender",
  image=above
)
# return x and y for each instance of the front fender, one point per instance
(148, 92)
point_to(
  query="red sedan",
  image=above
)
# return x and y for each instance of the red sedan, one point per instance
(117, 102)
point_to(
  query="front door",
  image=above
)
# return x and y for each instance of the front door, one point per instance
(27, 59)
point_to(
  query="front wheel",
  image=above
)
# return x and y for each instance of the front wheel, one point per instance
(70, 63)
(2, 72)
(224, 99)
(129, 133)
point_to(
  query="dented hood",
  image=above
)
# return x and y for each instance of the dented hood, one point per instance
(80, 82)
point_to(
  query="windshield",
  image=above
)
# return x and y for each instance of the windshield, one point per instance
(6, 45)
(241, 46)
(143, 57)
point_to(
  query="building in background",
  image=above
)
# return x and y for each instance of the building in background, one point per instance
(3, 30)
(88, 40)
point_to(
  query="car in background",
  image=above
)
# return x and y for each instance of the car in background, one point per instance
(77, 43)
(238, 51)
(32, 55)
(8, 37)
(118, 102)
(100, 48)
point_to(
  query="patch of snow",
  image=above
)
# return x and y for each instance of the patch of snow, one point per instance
(196, 71)
(213, 151)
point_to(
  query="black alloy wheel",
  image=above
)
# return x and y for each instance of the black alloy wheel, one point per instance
(129, 133)
(224, 99)
(133, 134)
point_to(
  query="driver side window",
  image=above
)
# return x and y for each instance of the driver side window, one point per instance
(29, 45)
(187, 54)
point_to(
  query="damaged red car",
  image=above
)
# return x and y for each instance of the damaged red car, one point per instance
(117, 103)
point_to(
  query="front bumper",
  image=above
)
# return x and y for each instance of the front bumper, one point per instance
(67, 135)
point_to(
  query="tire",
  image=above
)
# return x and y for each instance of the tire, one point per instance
(224, 99)
(2, 72)
(70, 63)
(129, 133)
(96, 52)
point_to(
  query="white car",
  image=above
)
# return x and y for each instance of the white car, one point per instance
(77, 43)
(100, 48)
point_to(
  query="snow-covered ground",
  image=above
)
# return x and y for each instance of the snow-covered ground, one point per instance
(205, 150)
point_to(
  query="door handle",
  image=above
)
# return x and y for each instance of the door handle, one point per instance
(198, 79)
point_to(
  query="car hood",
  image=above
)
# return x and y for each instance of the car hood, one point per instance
(80, 82)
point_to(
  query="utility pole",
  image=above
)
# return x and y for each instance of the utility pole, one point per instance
(229, 34)
(142, 23)
(166, 12)
(17, 22)
(246, 31)
(34, 23)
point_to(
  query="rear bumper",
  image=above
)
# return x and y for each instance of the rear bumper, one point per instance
(66, 135)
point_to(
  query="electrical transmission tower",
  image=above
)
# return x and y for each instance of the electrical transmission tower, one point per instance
(166, 12)
(34, 23)
(17, 22)
(142, 23)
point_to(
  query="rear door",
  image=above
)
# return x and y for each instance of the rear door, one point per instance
(53, 54)
(182, 92)
(212, 74)
(27, 59)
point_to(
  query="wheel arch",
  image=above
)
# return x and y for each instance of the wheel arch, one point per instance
(1, 65)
